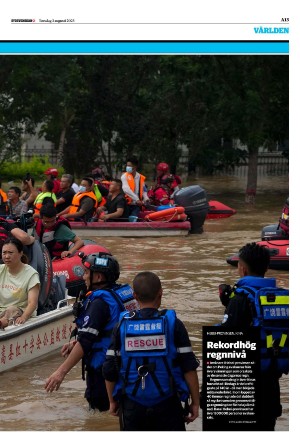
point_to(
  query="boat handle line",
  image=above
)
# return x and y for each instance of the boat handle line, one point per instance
(65, 300)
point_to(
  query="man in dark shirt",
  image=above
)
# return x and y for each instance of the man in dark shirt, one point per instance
(66, 193)
(115, 208)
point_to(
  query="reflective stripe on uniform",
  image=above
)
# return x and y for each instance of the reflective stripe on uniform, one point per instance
(184, 350)
(90, 330)
(112, 352)
(282, 340)
(279, 299)
(269, 341)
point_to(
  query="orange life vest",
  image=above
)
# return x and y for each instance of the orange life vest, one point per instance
(3, 195)
(3, 202)
(131, 183)
(77, 199)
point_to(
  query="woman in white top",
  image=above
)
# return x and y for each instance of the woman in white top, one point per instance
(19, 285)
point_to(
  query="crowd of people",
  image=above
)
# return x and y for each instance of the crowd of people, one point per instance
(97, 198)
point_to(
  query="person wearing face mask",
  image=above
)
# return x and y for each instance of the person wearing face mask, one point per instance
(84, 202)
(96, 314)
(133, 185)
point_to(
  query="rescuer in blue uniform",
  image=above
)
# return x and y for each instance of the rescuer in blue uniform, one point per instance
(150, 368)
(239, 315)
(95, 316)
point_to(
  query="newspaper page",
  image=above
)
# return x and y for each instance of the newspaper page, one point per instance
(229, 361)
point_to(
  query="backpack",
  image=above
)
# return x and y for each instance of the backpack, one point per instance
(270, 311)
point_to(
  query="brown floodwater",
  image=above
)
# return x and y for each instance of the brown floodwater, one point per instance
(190, 268)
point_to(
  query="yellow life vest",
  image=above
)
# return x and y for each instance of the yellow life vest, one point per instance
(39, 201)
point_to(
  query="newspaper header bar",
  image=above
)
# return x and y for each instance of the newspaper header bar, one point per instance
(163, 47)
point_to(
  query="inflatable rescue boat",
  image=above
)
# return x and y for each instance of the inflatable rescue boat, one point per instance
(279, 252)
(219, 210)
(72, 269)
(59, 274)
(187, 215)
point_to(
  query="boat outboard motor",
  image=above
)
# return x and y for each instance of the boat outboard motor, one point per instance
(194, 201)
(273, 232)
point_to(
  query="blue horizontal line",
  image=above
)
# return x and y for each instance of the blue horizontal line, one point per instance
(259, 47)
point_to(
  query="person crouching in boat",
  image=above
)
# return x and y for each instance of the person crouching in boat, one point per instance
(56, 233)
(19, 285)
(95, 316)
(163, 169)
(161, 194)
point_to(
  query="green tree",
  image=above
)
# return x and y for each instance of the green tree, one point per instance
(146, 105)
(41, 89)
(256, 101)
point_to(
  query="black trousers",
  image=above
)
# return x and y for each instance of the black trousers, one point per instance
(270, 406)
(165, 416)
(95, 392)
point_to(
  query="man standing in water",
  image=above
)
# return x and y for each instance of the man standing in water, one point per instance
(150, 367)
(241, 313)
(95, 318)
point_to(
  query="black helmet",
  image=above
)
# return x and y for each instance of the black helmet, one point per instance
(104, 263)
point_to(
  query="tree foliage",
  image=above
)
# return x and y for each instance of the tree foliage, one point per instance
(146, 105)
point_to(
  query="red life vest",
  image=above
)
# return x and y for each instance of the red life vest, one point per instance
(46, 236)
(160, 195)
(56, 187)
